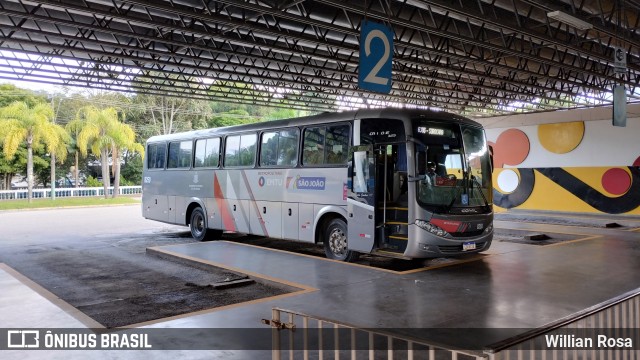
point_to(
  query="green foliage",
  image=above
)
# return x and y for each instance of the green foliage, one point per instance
(283, 113)
(132, 170)
(41, 168)
(102, 132)
(125, 182)
(157, 115)
(15, 164)
(93, 182)
(31, 124)
(10, 93)
(229, 118)
(9, 167)
(145, 115)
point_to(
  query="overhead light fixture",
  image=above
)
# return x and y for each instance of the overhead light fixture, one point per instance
(569, 20)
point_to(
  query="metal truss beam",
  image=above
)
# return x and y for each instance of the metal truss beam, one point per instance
(471, 57)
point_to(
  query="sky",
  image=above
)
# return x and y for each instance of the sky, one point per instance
(33, 85)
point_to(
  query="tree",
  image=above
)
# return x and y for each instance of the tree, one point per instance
(9, 167)
(132, 168)
(159, 115)
(22, 123)
(229, 118)
(125, 142)
(104, 133)
(74, 127)
(10, 93)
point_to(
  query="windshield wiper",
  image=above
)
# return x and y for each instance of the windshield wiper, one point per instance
(475, 180)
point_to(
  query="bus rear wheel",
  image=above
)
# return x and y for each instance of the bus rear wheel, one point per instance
(335, 242)
(199, 229)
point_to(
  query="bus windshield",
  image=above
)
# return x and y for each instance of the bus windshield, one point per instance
(452, 166)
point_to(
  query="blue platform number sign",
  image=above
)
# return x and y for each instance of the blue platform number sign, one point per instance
(376, 52)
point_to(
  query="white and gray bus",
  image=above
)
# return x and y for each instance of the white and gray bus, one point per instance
(394, 182)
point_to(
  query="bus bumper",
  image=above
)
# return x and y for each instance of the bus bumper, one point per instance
(423, 244)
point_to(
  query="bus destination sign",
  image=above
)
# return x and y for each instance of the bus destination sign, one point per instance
(430, 131)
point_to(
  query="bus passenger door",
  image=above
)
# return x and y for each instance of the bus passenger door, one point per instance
(361, 200)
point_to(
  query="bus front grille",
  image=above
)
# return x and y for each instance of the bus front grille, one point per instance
(467, 234)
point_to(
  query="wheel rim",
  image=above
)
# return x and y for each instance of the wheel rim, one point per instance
(198, 224)
(338, 242)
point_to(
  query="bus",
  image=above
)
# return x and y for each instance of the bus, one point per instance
(402, 183)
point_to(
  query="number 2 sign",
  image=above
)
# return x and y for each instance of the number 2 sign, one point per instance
(376, 50)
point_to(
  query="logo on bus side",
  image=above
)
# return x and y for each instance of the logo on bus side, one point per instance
(262, 181)
(307, 183)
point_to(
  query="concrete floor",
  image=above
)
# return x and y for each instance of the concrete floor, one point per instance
(513, 287)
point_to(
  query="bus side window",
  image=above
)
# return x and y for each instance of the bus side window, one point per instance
(231, 150)
(337, 149)
(326, 145)
(288, 148)
(240, 150)
(173, 156)
(248, 150)
(155, 155)
(179, 154)
(269, 148)
(279, 148)
(207, 152)
(313, 145)
(160, 156)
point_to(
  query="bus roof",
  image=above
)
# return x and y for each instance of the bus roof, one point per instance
(323, 118)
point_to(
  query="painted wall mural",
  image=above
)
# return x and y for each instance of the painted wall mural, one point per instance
(571, 166)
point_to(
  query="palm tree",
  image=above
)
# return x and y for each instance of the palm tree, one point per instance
(103, 133)
(74, 127)
(32, 125)
(125, 141)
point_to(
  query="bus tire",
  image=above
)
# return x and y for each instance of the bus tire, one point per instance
(335, 242)
(198, 226)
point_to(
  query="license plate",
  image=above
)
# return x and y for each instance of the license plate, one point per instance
(468, 246)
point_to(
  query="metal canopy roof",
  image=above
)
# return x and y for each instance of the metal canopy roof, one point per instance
(475, 57)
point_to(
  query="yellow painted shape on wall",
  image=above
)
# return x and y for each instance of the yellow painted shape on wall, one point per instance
(547, 195)
(561, 138)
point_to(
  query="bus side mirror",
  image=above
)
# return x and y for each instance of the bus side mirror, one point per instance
(491, 156)
(421, 162)
(351, 167)
(360, 172)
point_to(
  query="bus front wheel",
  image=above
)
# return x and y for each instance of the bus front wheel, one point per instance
(335, 242)
(199, 229)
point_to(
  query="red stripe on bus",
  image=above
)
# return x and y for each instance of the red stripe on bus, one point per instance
(446, 225)
(223, 206)
(255, 204)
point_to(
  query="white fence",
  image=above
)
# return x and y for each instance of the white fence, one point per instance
(68, 192)
(302, 336)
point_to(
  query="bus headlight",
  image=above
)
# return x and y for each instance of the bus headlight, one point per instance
(430, 228)
(488, 229)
